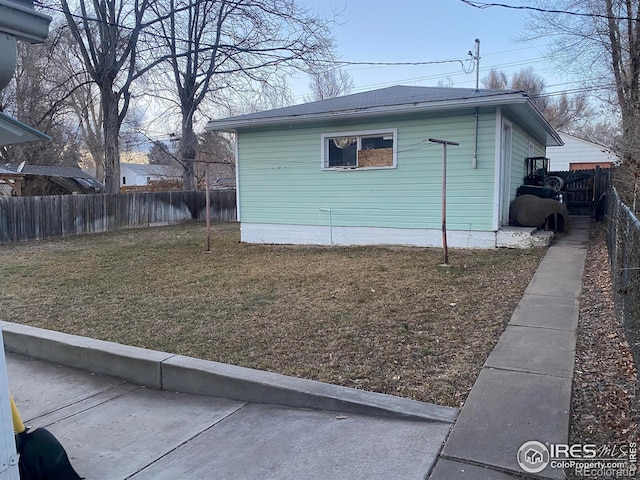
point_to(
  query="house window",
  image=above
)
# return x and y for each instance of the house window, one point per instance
(351, 150)
(124, 180)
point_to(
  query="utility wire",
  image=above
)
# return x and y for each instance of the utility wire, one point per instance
(336, 63)
(472, 3)
(341, 62)
(483, 6)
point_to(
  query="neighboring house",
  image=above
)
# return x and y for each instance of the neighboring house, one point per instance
(359, 169)
(135, 174)
(31, 180)
(580, 154)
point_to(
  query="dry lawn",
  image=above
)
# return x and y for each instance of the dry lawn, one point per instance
(383, 319)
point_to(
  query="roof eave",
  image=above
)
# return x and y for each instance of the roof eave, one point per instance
(23, 22)
(231, 124)
(553, 137)
(13, 131)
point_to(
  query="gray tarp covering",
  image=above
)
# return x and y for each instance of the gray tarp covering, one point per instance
(532, 211)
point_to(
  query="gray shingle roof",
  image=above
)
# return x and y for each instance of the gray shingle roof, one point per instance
(51, 171)
(7, 171)
(389, 97)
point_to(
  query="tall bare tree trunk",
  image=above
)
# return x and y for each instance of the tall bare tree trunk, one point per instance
(98, 159)
(111, 129)
(188, 143)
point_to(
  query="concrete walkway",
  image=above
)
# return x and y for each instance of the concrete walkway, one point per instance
(115, 429)
(126, 421)
(523, 393)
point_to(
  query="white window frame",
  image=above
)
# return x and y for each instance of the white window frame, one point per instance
(359, 134)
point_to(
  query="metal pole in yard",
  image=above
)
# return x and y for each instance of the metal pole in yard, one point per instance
(208, 205)
(444, 144)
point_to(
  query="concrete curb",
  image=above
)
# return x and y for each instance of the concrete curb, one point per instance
(170, 372)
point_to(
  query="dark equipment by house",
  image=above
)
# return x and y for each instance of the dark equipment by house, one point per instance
(581, 191)
(41, 455)
(537, 180)
(544, 213)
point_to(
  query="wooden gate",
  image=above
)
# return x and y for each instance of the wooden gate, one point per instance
(583, 188)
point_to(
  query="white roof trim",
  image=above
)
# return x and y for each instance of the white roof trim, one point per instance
(506, 100)
(13, 131)
(23, 22)
(227, 124)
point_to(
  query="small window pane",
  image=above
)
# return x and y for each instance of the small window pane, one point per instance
(343, 152)
(371, 143)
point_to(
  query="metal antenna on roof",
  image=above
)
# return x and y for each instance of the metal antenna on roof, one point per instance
(476, 58)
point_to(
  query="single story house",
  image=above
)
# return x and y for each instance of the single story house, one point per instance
(137, 174)
(360, 169)
(580, 154)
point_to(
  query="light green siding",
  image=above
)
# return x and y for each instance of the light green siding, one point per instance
(520, 150)
(281, 180)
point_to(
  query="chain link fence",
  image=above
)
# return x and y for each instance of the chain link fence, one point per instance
(623, 238)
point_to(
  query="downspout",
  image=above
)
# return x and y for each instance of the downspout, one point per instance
(474, 163)
(476, 57)
(237, 155)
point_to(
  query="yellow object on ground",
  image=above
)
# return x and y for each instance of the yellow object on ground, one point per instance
(18, 426)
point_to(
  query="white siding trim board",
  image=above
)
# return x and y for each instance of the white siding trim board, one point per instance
(497, 170)
(235, 132)
(335, 235)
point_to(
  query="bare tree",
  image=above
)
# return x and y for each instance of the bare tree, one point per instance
(532, 83)
(216, 150)
(107, 33)
(161, 153)
(258, 98)
(36, 96)
(446, 82)
(83, 101)
(329, 82)
(564, 112)
(600, 42)
(495, 80)
(568, 113)
(215, 46)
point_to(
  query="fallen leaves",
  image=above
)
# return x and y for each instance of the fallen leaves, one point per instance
(605, 402)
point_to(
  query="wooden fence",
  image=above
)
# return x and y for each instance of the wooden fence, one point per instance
(583, 188)
(34, 218)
